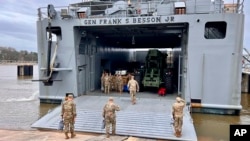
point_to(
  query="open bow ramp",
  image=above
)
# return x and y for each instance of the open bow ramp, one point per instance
(149, 118)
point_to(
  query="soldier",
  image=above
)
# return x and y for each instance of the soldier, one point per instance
(133, 88)
(119, 83)
(116, 82)
(68, 114)
(106, 83)
(109, 115)
(177, 112)
(111, 82)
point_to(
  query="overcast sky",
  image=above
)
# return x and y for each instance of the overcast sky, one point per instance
(18, 22)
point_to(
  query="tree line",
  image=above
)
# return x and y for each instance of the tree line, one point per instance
(11, 54)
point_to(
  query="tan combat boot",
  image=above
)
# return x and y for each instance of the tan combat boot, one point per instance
(107, 135)
(178, 134)
(66, 136)
(73, 134)
(133, 102)
(113, 132)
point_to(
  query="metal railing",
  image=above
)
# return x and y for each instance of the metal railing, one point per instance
(148, 7)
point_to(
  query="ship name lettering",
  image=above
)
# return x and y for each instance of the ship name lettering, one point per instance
(89, 22)
(127, 20)
(169, 19)
(135, 20)
(110, 21)
(147, 20)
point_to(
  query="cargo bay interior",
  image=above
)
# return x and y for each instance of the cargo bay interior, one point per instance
(125, 50)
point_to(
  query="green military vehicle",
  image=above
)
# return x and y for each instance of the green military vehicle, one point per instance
(154, 69)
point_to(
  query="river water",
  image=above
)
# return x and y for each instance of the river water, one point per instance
(20, 107)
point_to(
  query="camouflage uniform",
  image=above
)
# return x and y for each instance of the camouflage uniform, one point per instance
(133, 88)
(106, 84)
(68, 114)
(116, 82)
(111, 82)
(119, 83)
(177, 112)
(110, 116)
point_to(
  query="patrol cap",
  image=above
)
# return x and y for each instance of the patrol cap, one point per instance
(178, 99)
(70, 95)
(67, 94)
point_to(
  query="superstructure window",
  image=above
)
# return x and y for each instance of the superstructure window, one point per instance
(215, 30)
(56, 33)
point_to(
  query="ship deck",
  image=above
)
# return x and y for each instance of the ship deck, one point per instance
(150, 117)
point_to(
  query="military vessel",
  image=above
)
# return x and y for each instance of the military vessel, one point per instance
(200, 41)
(204, 39)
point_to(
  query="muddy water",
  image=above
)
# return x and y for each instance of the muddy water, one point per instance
(211, 127)
(20, 107)
(19, 104)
